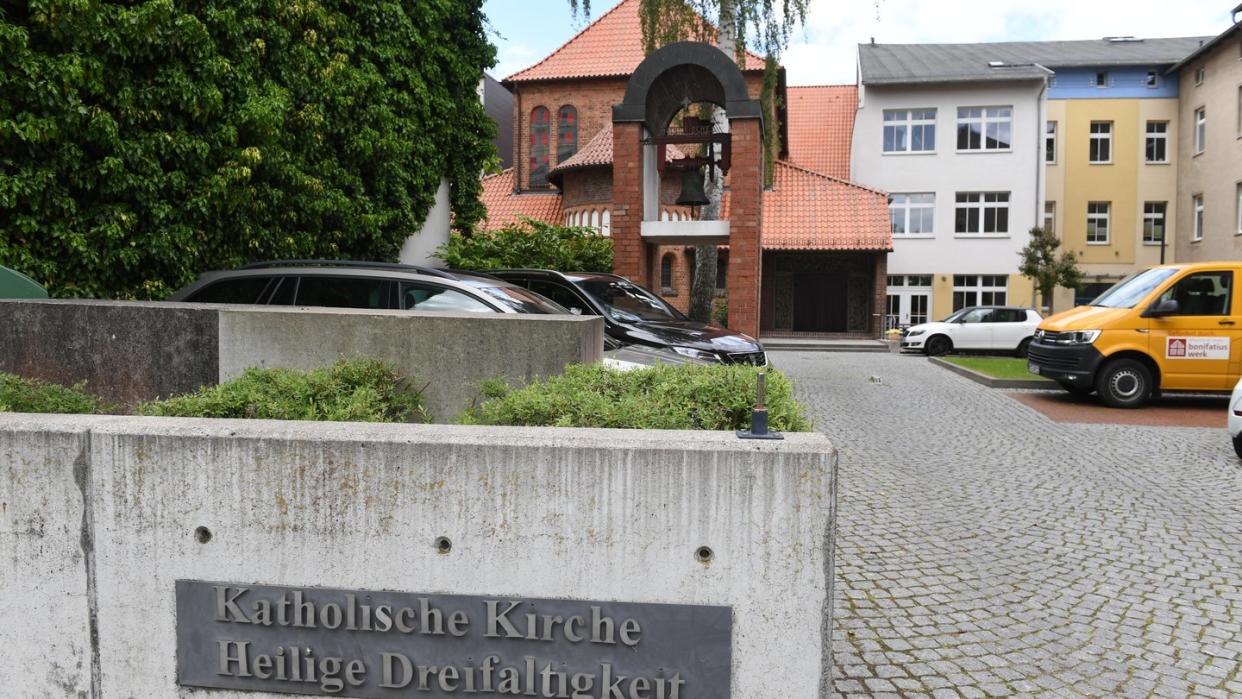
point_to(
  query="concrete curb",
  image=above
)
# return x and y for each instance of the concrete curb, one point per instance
(992, 382)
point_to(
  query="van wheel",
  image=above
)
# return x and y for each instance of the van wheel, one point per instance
(938, 345)
(1023, 347)
(1124, 383)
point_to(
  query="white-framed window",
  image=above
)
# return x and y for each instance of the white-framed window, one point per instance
(984, 128)
(1101, 150)
(909, 130)
(1050, 142)
(1157, 144)
(1101, 79)
(1050, 216)
(981, 213)
(1237, 213)
(1154, 222)
(1239, 111)
(912, 214)
(1200, 129)
(1097, 222)
(979, 290)
(1199, 74)
(1196, 205)
(1152, 80)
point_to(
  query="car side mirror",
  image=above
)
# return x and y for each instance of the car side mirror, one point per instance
(1165, 307)
(576, 311)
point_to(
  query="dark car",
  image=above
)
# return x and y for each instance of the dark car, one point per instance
(634, 315)
(375, 285)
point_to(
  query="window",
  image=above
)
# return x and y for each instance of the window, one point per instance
(1198, 76)
(666, 274)
(558, 293)
(244, 290)
(909, 130)
(982, 212)
(1050, 216)
(1153, 222)
(1101, 142)
(424, 297)
(1200, 129)
(1157, 146)
(984, 128)
(539, 132)
(1202, 294)
(1238, 210)
(1101, 79)
(1153, 79)
(912, 214)
(344, 292)
(979, 290)
(1050, 142)
(566, 133)
(1196, 203)
(1097, 222)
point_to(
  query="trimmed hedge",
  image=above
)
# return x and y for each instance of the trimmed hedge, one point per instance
(356, 390)
(22, 395)
(530, 244)
(664, 397)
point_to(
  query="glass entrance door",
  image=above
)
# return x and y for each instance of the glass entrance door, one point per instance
(908, 300)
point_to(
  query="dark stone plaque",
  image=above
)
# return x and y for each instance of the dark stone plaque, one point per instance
(363, 643)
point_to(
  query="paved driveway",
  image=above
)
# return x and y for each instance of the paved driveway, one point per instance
(986, 550)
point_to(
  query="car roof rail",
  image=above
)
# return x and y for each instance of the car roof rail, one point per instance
(363, 264)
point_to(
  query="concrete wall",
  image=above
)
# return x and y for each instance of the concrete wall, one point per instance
(134, 351)
(98, 518)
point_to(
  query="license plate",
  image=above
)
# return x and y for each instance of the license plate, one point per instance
(1032, 367)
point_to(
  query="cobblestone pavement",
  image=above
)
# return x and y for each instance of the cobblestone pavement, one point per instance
(984, 550)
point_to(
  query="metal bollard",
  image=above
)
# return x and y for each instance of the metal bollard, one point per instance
(759, 416)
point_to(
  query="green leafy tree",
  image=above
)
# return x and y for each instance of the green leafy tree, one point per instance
(1042, 265)
(143, 142)
(530, 244)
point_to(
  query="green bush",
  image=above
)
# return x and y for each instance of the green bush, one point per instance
(530, 244)
(356, 390)
(143, 142)
(666, 397)
(21, 395)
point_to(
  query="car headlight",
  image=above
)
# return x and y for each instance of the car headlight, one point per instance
(1076, 337)
(915, 333)
(696, 353)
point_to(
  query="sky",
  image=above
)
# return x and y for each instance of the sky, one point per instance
(823, 52)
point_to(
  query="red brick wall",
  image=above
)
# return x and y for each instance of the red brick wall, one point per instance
(746, 197)
(592, 98)
(629, 254)
(581, 187)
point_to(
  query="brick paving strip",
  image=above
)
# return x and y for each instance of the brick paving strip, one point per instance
(986, 550)
(1199, 411)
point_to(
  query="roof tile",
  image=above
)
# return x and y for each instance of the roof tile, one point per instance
(505, 208)
(598, 153)
(821, 127)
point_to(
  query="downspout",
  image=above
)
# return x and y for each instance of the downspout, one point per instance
(1040, 169)
(517, 138)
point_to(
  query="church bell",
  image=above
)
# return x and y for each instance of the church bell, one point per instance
(692, 193)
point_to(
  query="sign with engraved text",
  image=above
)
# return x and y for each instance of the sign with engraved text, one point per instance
(360, 643)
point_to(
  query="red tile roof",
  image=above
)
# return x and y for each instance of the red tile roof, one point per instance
(610, 46)
(821, 126)
(504, 207)
(598, 153)
(807, 210)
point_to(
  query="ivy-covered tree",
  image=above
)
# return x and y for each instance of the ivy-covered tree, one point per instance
(143, 142)
(1040, 263)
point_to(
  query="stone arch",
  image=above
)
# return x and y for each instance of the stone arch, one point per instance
(686, 70)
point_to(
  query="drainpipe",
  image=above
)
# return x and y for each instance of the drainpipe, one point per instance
(1040, 169)
(517, 161)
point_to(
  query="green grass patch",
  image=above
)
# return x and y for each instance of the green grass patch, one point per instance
(354, 390)
(996, 367)
(22, 395)
(664, 397)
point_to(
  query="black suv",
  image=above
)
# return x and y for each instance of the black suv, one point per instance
(634, 315)
(374, 285)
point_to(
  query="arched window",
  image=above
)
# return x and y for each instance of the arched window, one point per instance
(606, 223)
(539, 133)
(594, 220)
(566, 133)
(666, 273)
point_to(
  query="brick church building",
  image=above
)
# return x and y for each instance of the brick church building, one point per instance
(814, 243)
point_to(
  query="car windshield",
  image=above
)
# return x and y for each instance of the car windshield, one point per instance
(517, 298)
(956, 315)
(628, 302)
(1129, 291)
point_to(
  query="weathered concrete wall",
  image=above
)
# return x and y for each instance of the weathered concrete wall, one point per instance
(553, 513)
(128, 352)
(448, 352)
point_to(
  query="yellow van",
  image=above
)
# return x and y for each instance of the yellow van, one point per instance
(1168, 328)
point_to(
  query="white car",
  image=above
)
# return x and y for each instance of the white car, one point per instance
(1235, 418)
(993, 328)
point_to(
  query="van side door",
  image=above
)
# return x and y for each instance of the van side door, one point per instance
(1195, 343)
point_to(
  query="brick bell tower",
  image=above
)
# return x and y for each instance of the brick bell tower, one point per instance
(667, 80)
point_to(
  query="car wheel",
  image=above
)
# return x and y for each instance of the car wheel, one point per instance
(1076, 390)
(938, 345)
(1124, 383)
(1023, 347)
